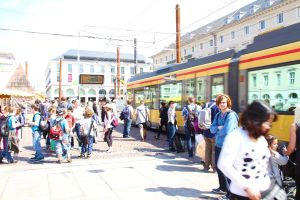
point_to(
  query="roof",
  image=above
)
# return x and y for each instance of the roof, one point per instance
(99, 56)
(240, 14)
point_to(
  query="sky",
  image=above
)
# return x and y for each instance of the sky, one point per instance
(113, 23)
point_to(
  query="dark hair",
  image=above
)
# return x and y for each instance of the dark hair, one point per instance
(35, 107)
(270, 138)
(254, 116)
(171, 102)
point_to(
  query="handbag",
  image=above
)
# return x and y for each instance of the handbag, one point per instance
(274, 191)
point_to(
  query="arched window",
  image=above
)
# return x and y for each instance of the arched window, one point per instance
(70, 92)
(92, 92)
(293, 96)
(266, 96)
(82, 92)
(278, 96)
(112, 91)
(254, 97)
(102, 92)
(56, 91)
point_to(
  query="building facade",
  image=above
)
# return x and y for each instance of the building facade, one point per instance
(233, 31)
(8, 65)
(77, 62)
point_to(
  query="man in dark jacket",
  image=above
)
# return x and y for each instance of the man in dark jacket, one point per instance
(163, 119)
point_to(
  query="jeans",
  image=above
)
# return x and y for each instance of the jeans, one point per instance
(223, 181)
(5, 152)
(77, 130)
(88, 147)
(188, 137)
(163, 123)
(127, 126)
(36, 136)
(171, 135)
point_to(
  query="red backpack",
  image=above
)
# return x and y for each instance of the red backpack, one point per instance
(56, 130)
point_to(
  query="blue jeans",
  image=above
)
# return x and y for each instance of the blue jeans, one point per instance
(77, 130)
(188, 137)
(6, 153)
(62, 147)
(223, 180)
(36, 140)
(171, 135)
(127, 126)
(88, 147)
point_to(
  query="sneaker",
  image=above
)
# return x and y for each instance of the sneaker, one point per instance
(81, 155)
(88, 155)
(33, 158)
(38, 160)
(218, 191)
(109, 150)
(224, 197)
(59, 162)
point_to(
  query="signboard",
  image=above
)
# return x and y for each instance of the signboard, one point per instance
(91, 79)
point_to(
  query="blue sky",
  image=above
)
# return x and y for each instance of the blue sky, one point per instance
(103, 18)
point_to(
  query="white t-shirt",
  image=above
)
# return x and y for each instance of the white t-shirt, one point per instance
(86, 125)
(245, 162)
(142, 116)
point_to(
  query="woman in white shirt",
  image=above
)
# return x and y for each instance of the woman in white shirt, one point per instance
(245, 155)
(171, 124)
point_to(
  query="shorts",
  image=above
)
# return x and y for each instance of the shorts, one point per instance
(142, 125)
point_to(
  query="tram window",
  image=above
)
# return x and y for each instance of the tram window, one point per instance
(151, 97)
(217, 86)
(282, 90)
(138, 96)
(189, 88)
(201, 90)
(171, 92)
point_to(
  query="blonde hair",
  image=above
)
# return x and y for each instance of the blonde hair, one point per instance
(297, 115)
(89, 112)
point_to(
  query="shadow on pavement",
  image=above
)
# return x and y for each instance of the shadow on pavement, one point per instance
(96, 171)
(182, 192)
(172, 168)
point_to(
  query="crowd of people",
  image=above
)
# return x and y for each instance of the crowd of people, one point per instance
(239, 148)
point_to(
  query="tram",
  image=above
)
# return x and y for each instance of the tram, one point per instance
(267, 69)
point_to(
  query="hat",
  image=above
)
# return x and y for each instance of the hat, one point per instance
(109, 105)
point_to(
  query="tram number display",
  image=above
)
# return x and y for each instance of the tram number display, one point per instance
(91, 79)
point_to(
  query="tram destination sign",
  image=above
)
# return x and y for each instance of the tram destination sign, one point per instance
(91, 79)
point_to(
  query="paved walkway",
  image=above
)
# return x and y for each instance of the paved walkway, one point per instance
(135, 170)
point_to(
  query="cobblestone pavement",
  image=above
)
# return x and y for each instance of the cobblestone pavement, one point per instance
(134, 170)
(122, 147)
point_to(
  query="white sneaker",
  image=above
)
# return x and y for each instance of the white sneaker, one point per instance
(109, 150)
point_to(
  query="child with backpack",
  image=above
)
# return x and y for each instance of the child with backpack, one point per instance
(36, 134)
(59, 132)
(87, 133)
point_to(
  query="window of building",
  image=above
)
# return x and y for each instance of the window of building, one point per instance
(201, 45)
(193, 49)
(122, 70)
(92, 69)
(112, 69)
(112, 79)
(184, 52)
(69, 78)
(57, 76)
(132, 70)
(160, 60)
(262, 25)
(102, 69)
(254, 81)
(221, 39)
(211, 43)
(279, 18)
(217, 86)
(292, 78)
(266, 80)
(298, 12)
(122, 78)
(201, 90)
(278, 79)
(70, 68)
(81, 68)
(166, 58)
(172, 56)
(121, 91)
(277, 82)
(232, 35)
(155, 61)
(246, 30)
(141, 70)
(267, 3)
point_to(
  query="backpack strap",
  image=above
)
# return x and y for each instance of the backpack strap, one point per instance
(91, 127)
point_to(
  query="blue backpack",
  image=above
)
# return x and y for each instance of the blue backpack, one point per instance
(125, 114)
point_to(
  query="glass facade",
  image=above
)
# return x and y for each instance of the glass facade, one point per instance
(172, 92)
(201, 89)
(217, 86)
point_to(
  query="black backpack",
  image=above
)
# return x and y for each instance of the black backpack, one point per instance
(4, 130)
